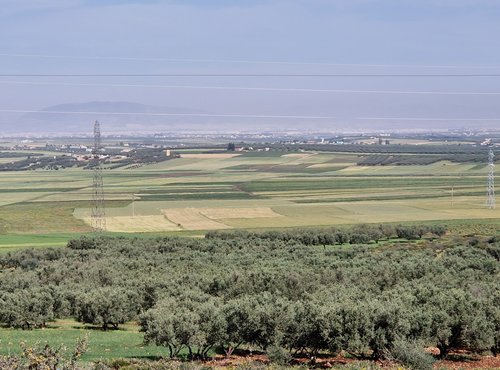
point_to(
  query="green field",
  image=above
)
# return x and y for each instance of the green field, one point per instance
(41, 208)
(124, 343)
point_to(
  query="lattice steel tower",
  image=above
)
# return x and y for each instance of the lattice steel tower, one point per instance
(491, 180)
(98, 211)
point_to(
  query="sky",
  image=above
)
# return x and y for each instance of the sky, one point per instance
(360, 37)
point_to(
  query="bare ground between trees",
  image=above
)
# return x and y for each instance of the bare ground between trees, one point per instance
(457, 360)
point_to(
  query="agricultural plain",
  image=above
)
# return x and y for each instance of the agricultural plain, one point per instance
(226, 271)
(207, 191)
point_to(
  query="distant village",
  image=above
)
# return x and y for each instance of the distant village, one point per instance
(30, 154)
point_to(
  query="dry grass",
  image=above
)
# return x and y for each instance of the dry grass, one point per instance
(192, 219)
(230, 213)
(129, 224)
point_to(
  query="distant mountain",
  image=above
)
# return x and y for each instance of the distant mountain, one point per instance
(78, 118)
(130, 117)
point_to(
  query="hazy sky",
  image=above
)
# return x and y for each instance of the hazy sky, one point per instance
(208, 36)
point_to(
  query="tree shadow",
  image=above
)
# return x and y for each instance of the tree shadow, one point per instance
(98, 328)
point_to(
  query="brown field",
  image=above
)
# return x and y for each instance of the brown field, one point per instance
(461, 361)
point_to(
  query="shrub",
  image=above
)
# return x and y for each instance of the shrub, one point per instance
(45, 357)
(411, 355)
(278, 355)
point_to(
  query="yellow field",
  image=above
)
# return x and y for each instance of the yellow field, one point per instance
(192, 219)
(129, 224)
(215, 218)
(229, 213)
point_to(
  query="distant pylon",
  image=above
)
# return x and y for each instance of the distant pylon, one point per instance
(98, 211)
(491, 180)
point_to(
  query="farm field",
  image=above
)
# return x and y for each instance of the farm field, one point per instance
(200, 192)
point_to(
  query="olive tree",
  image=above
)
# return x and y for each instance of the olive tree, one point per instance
(26, 309)
(106, 307)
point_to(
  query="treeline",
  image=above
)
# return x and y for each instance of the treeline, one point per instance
(362, 234)
(419, 160)
(134, 157)
(11, 154)
(380, 149)
(278, 292)
(41, 162)
(138, 157)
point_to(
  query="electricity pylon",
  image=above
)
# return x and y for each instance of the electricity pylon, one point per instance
(98, 211)
(491, 180)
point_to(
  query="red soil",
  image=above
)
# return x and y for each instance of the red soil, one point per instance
(484, 362)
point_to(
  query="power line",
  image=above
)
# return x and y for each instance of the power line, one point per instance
(257, 116)
(278, 75)
(243, 88)
(236, 61)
